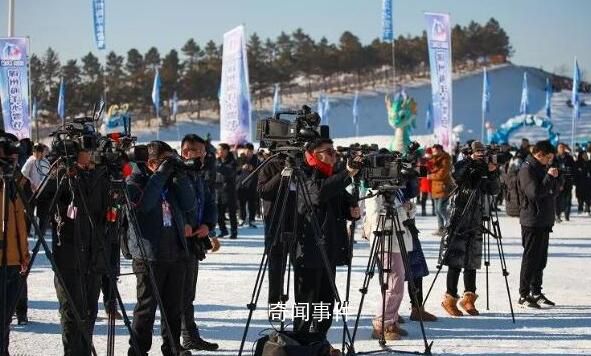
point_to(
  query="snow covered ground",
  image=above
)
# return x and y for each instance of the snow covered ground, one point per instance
(227, 277)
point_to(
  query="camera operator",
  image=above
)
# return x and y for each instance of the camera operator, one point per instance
(461, 245)
(268, 183)
(78, 246)
(161, 201)
(203, 219)
(566, 166)
(539, 186)
(226, 190)
(247, 193)
(14, 247)
(332, 206)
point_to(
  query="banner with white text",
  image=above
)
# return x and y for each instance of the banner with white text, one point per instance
(14, 86)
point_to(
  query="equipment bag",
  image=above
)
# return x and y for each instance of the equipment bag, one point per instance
(289, 344)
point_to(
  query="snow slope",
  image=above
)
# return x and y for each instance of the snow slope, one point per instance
(226, 280)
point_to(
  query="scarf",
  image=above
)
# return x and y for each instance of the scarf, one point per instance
(322, 167)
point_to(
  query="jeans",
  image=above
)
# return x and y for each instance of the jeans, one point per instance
(441, 212)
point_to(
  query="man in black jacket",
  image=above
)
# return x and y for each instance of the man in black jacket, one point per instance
(269, 181)
(203, 219)
(539, 186)
(78, 247)
(332, 206)
(161, 202)
(565, 163)
(226, 190)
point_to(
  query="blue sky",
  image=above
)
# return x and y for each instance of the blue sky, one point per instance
(544, 33)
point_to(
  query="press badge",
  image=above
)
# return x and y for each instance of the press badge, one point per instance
(72, 211)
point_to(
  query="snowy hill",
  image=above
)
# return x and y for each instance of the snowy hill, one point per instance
(467, 91)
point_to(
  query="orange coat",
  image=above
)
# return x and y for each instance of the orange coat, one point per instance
(18, 247)
(440, 175)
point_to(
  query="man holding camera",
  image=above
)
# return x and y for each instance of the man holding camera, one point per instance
(539, 186)
(14, 247)
(161, 201)
(78, 247)
(268, 186)
(203, 219)
(331, 206)
(461, 245)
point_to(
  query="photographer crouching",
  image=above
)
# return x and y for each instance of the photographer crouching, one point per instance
(203, 218)
(461, 244)
(332, 206)
(161, 199)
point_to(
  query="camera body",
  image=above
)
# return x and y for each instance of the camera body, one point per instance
(276, 132)
(382, 169)
(493, 154)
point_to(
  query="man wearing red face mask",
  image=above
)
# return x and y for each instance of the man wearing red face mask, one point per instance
(332, 206)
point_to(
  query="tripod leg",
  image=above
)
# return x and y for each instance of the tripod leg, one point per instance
(369, 273)
(403, 251)
(48, 254)
(499, 238)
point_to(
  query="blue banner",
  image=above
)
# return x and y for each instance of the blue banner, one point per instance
(549, 91)
(235, 109)
(14, 86)
(156, 93)
(485, 92)
(439, 43)
(575, 93)
(98, 14)
(61, 101)
(524, 106)
(387, 21)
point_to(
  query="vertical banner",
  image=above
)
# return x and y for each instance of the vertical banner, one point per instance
(549, 91)
(524, 105)
(235, 95)
(439, 43)
(98, 14)
(387, 21)
(14, 86)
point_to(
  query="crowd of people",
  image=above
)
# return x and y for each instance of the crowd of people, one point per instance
(166, 216)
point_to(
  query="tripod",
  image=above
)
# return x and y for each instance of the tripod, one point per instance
(388, 227)
(489, 227)
(292, 177)
(492, 228)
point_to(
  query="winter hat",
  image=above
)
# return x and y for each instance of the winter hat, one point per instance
(477, 146)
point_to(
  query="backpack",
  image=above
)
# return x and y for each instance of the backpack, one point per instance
(288, 343)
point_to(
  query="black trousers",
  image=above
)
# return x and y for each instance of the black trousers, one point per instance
(9, 277)
(277, 265)
(419, 288)
(535, 256)
(564, 202)
(85, 291)
(188, 325)
(312, 286)
(170, 277)
(230, 207)
(453, 277)
(252, 202)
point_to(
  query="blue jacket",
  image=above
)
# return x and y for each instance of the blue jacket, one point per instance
(204, 210)
(145, 192)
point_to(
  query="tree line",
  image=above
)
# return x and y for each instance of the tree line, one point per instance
(296, 61)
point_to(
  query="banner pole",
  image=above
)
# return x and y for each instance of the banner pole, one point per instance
(10, 18)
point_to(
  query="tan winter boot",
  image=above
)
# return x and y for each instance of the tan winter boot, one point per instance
(414, 315)
(468, 303)
(449, 304)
